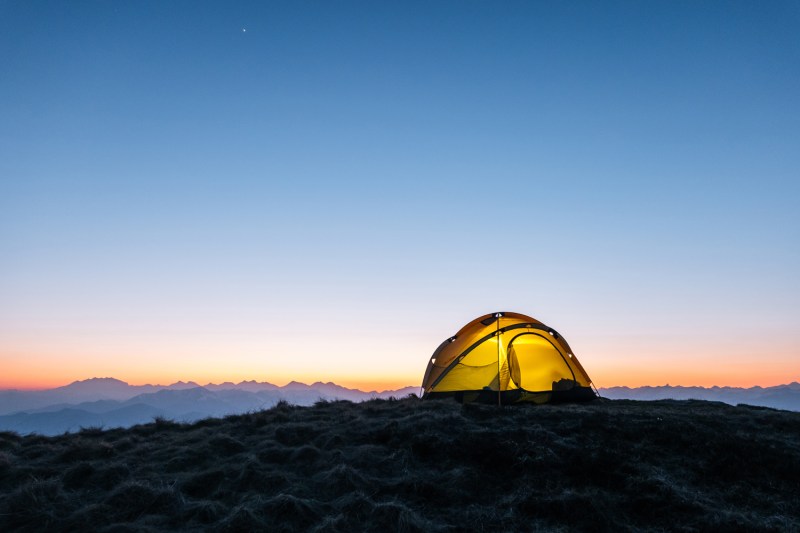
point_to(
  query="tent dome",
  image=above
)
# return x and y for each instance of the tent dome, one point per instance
(506, 357)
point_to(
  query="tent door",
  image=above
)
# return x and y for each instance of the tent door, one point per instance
(536, 365)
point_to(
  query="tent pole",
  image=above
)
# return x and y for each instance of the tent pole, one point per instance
(497, 334)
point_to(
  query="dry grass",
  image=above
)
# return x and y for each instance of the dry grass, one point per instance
(417, 466)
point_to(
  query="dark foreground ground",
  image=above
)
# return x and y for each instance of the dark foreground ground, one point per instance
(409, 465)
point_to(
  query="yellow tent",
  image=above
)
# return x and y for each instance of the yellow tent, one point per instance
(506, 358)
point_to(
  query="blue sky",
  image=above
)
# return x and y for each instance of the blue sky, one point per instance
(182, 198)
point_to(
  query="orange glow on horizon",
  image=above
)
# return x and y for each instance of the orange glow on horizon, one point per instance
(384, 383)
(378, 385)
(352, 364)
(32, 376)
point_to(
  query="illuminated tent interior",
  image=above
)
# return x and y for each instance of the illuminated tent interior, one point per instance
(506, 358)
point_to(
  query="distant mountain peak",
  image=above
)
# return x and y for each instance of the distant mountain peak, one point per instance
(295, 385)
(184, 384)
(328, 384)
(96, 384)
(97, 381)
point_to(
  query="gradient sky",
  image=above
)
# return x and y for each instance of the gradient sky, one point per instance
(332, 192)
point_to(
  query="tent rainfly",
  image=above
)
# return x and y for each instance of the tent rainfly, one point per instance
(506, 358)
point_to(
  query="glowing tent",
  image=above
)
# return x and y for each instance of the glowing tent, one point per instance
(506, 358)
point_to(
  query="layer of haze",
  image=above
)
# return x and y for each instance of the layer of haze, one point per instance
(326, 190)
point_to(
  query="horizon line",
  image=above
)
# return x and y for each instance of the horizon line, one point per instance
(210, 383)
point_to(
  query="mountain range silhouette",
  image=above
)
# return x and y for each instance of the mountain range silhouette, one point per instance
(111, 403)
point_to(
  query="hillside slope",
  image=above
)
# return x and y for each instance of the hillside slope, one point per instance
(409, 465)
(778, 397)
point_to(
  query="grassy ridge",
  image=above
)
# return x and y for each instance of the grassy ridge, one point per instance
(411, 466)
